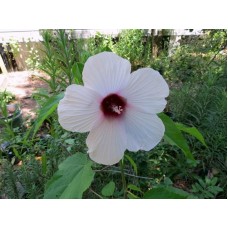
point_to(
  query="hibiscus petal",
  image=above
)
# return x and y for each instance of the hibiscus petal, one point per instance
(106, 73)
(107, 142)
(144, 131)
(79, 110)
(146, 91)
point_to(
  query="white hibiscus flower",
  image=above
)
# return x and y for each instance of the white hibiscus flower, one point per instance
(117, 107)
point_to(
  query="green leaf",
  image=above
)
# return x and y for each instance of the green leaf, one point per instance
(208, 195)
(167, 181)
(133, 187)
(76, 70)
(108, 49)
(199, 187)
(194, 189)
(44, 163)
(202, 183)
(174, 136)
(130, 195)
(167, 192)
(69, 141)
(48, 108)
(132, 163)
(73, 177)
(208, 181)
(13, 160)
(108, 189)
(215, 189)
(214, 180)
(15, 151)
(191, 131)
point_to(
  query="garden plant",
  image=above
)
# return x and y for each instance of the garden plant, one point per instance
(122, 119)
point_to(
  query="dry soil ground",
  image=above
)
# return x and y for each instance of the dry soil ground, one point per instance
(22, 84)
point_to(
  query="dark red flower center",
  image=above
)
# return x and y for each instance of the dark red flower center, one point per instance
(113, 105)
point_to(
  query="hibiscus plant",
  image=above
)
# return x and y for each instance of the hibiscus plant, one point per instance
(122, 111)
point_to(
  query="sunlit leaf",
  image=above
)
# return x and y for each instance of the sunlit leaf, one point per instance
(174, 136)
(192, 131)
(73, 177)
(134, 187)
(69, 141)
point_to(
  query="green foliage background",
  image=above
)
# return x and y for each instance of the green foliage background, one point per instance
(196, 71)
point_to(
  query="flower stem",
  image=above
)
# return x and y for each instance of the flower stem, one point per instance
(96, 194)
(123, 178)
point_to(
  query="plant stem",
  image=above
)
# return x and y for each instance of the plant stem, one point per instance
(127, 174)
(96, 194)
(123, 178)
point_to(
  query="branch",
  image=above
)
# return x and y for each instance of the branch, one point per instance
(127, 174)
(96, 194)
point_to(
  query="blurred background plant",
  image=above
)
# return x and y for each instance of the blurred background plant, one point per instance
(6, 97)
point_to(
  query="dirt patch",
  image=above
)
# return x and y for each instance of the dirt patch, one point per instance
(23, 84)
